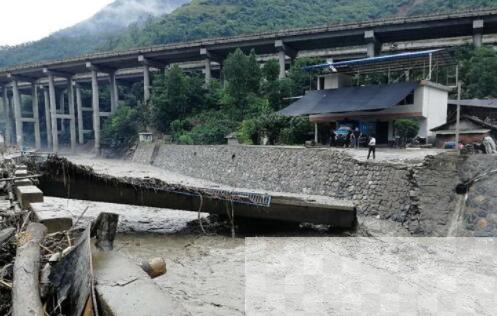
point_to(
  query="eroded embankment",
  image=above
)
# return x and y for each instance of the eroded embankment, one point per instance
(420, 196)
(61, 178)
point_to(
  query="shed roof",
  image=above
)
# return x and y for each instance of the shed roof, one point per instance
(484, 103)
(475, 124)
(350, 99)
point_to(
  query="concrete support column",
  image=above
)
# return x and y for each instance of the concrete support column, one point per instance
(62, 110)
(48, 119)
(207, 65)
(6, 112)
(79, 105)
(114, 94)
(478, 33)
(208, 71)
(53, 112)
(284, 51)
(282, 62)
(316, 133)
(72, 113)
(374, 46)
(96, 109)
(146, 83)
(36, 115)
(17, 114)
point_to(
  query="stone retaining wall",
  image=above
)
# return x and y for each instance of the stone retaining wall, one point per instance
(378, 189)
(422, 197)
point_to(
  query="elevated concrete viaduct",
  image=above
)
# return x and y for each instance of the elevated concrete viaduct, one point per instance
(65, 77)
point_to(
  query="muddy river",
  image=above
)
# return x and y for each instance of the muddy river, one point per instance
(206, 272)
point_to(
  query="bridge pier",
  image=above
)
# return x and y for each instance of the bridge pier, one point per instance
(478, 33)
(96, 109)
(373, 45)
(114, 94)
(72, 114)
(7, 116)
(48, 122)
(79, 105)
(62, 110)
(36, 115)
(284, 51)
(17, 113)
(205, 54)
(53, 112)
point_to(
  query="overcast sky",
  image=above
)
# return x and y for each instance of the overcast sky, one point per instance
(29, 20)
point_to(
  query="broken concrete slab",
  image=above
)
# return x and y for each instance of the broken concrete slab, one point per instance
(54, 220)
(123, 288)
(28, 194)
(23, 182)
(21, 173)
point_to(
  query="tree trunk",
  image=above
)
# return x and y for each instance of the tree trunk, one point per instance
(25, 293)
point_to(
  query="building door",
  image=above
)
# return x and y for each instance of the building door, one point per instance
(382, 132)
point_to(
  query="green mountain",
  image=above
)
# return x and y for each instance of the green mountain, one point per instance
(212, 18)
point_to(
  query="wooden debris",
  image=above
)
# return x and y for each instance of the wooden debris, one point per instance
(6, 234)
(26, 294)
(72, 279)
(104, 229)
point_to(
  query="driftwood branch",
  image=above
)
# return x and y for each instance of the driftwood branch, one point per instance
(104, 229)
(6, 234)
(26, 294)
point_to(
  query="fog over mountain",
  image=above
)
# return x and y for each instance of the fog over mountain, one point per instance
(120, 14)
(91, 35)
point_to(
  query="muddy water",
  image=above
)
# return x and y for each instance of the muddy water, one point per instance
(205, 274)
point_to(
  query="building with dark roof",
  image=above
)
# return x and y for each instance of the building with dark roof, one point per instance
(374, 109)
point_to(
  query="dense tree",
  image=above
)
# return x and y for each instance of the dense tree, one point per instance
(479, 73)
(243, 78)
(171, 98)
(122, 128)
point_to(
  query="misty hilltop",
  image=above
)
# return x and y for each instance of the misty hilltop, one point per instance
(118, 15)
(89, 35)
(133, 23)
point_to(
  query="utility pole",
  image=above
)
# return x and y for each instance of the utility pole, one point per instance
(458, 116)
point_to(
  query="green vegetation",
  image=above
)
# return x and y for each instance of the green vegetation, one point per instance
(407, 129)
(202, 19)
(122, 129)
(479, 73)
(192, 113)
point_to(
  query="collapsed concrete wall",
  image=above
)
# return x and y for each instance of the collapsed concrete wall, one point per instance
(422, 196)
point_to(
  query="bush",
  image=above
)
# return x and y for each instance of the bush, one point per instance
(207, 128)
(297, 132)
(185, 139)
(121, 130)
(407, 129)
(277, 128)
(248, 132)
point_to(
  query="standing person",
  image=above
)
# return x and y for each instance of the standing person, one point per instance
(333, 138)
(357, 137)
(372, 147)
(351, 139)
(489, 144)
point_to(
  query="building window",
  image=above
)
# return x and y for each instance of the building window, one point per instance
(408, 100)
